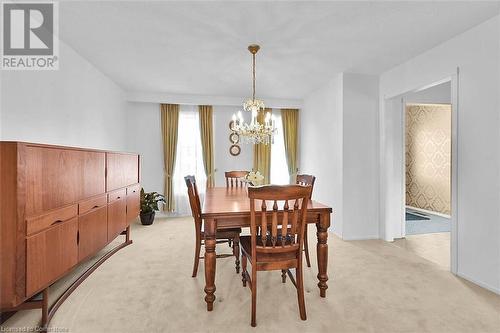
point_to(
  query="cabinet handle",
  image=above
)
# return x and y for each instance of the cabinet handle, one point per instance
(118, 198)
(78, 237)
(56, 222)
(96, 206)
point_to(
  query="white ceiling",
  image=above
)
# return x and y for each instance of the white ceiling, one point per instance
(200, 47)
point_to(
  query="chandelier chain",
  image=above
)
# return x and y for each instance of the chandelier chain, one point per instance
(253, 73)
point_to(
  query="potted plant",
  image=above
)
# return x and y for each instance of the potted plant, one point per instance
(149, 204)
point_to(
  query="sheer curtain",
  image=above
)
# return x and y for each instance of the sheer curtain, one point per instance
(189, 159)
(279, 166)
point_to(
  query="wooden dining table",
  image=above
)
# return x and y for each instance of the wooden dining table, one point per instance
(226, 208)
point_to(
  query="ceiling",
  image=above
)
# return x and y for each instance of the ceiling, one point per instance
(200, 47)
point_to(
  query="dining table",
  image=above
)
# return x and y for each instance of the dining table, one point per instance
(229, 207)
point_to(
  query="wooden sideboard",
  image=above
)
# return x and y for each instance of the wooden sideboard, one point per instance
(59, 206)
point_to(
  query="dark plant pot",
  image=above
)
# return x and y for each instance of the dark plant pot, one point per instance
(147, 218)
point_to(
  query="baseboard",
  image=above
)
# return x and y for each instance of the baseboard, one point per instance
(356, 238)
(162, 214)
(429, 212)
(332, 230)
(480, 284)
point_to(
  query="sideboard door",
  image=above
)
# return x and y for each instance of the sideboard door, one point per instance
(93, 232)
(117, 217)
(50, 254)
(122, 170)
(56, 177)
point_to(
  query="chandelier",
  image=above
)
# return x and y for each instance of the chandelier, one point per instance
(254, 132)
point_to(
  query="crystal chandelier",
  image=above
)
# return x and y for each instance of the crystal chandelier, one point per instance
(254, 132)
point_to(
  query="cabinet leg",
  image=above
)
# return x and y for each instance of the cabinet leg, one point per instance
(127, 234)
(33, 303)
(45, 309)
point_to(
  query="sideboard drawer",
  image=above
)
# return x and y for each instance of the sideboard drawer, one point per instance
(41, 222)
(134, 189)
(93, 203)
(117, 195)
(133, 202)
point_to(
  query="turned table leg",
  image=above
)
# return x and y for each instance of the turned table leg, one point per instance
(210, 256)
(322, 251)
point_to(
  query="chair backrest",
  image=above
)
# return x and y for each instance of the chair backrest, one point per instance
(233, 178)
(306, 180)
(194, 198)
(278, 205)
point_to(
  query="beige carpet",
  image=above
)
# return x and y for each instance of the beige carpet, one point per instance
(434, 247)
(374, 286)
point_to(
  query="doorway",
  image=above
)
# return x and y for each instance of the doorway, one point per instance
(427, 159)
(420, 170)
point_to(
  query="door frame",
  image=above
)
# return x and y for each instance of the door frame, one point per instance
(396, 227)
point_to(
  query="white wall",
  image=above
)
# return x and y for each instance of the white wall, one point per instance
(76, 105)
(1, 104)
(321, 146)
(338, 131)
(438, 94)
(392, 170)
(144, 137)
(195, 99)
(360, 156)
(477, 53)
(222, 159)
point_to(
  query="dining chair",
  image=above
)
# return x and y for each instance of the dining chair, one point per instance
(276, 248)
(233, 178)
(306, 180)
(222, 236)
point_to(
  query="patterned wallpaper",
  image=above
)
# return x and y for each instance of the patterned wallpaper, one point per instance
(428, 157)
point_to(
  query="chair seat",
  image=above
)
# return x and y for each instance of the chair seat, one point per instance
(225, 233)
(246, 247)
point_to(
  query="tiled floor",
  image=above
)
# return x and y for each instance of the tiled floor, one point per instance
(435, 223)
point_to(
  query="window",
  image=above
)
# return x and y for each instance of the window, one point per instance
(189, 158)
(279, 166)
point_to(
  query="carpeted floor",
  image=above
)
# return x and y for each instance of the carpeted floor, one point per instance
(374, 286)
(432, 223)
(434, 247)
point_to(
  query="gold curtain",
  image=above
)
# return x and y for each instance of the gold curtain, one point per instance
(290, 120)
(262, 153)
(207, 142)
(169, 128)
